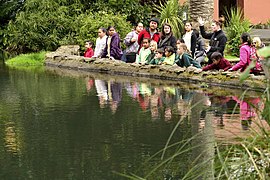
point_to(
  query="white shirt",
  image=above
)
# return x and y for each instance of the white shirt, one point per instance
(187, 39)
(100, 45)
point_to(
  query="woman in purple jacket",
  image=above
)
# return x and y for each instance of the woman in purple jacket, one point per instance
(244, 53)
(112, 49)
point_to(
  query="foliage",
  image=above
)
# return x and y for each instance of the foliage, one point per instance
(235, 26)
(264, 52)
(31, 59)
(44, 25)
(87, 25)
(169, 13)
(134, 10)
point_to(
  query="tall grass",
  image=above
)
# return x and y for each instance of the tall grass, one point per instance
(31, 59)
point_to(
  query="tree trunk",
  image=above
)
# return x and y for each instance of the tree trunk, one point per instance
(201, 8)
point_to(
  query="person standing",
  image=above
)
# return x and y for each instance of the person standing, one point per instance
(217, 38)
(100, 42)
(112, 49)
(190, 38)
(131, 42)
(150, 32)
(167, 38)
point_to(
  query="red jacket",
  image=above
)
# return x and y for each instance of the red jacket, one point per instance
(223, 64)
(145, 33)
(89, 53)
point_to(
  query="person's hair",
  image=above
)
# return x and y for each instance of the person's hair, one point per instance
(258, 41)
(188, 22)
(163, 33)
(179, 41)
(246, 38)
(103, 29)
(154, 43)
(89, 42)
(184, 46)
(216, 56)
(148, 40)
(169, 49)
(160, 50)
(220, 21)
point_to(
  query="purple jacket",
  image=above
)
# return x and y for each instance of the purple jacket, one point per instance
(244, 58)
(115, 49)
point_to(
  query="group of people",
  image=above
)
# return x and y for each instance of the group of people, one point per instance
(149, 46)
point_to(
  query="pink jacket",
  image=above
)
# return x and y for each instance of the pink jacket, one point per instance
(244, 58)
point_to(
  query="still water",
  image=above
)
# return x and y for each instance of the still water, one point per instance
(58, 124)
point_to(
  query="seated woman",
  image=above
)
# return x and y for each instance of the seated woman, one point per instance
(184, 58)
(112, 49)
(219, 62)
(144, 52)
(169, 56)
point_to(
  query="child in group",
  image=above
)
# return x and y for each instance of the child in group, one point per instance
(184, 58)
(169, 56)
(153, 48)
(159, 58)
(144, 52)
(219, 62)
(89, 51)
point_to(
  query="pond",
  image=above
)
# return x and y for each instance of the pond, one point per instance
(60, 124)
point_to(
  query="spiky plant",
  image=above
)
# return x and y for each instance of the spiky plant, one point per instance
(169, 14)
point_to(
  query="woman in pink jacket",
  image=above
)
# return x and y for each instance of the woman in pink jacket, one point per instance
(245, 50)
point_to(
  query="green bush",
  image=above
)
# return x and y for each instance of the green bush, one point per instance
(235, 26)
(88, 24)
(47, 24)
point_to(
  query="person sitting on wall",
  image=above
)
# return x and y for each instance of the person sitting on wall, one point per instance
(199, 54)
(100, 42)
(169, 56)
(219, 62)
(159, 58)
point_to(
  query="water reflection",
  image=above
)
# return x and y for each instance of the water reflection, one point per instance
(61, 126)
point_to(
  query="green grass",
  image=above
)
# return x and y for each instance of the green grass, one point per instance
(31, 59)
(232, 58)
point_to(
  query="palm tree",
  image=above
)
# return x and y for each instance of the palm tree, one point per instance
(202, 8)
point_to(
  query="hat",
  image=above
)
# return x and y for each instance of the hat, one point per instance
(155, 20)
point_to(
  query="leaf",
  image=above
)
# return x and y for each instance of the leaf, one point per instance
(246, 73)
(264, 52)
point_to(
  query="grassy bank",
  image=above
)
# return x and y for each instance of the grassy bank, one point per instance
(31, 59)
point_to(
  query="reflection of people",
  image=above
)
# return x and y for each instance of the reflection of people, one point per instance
(89, 84)
(115, 95)
(155, 102)
(247, 113)
(101, 87)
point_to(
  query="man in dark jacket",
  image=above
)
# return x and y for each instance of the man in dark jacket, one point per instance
(217, 38)
(150, 32)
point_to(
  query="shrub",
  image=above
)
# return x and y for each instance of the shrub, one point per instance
(235, 26)
(88, 24)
